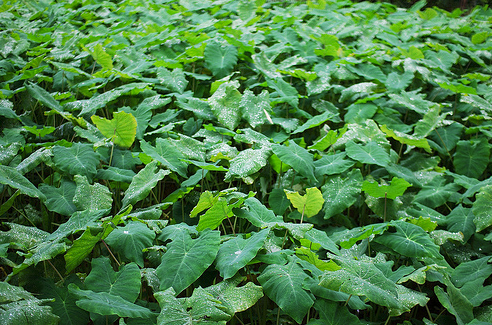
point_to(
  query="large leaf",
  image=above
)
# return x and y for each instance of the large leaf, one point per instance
(256, 109)
(91, 197)
(235, 253)
(104, 303)
(122, 129)
(186, 259)
(332, 164)
(257, 213)
(220, 59)
(461, 220)
(457, 304)
(332, 313)
(125, 283)
(296, 157)
(79, 159)
(471, 157)
(225, 104)
(27, 312)
(11, 177)
(130, 240)
(248, 162)
(167, 154)
(396, 188)
(60, 200)
(362, 279)
(471, 270)
(284, 285)
(309, 204)
(143, 183)
(482, 208)
(409, 240)
(340, 193)
(371, 153)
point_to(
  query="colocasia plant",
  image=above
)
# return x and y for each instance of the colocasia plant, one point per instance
(244, 162)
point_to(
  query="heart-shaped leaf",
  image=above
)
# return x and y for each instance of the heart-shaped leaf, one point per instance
(122, 129)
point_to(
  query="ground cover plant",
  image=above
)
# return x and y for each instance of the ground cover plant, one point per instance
(244, 162)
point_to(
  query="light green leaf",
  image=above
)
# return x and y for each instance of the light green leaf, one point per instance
(256, 109)
(397, 187)
(237, 252)
(284, 285)
(102, 58)
(125, 283)
(409, 240)
(482, 208)
(340, 193)
(220, 59)
(11, 177)
(371, 153)
(308, 255)
(296, 157)
(186, 259)
(130, 241)
(398, 82)
(91, 197)
(309, 204)
(248, 162)
(406, 139)
(27, 312)
(412, 100)
(429, 122)
(173, 80)
(167, 154)
(257, 213)
(121, 129)
(214, 216)
(143, 183)
(104, 303)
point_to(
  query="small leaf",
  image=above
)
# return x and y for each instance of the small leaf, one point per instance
(309, 204)
(397, 187)
(220, 59)
(340, 193)
(121, 129)
(371, 153)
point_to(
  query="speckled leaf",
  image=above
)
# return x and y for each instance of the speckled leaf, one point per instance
(284, 285)
(235, 253)
(79, 159)
(173, 80)
(456, 304)
(362, 279)
(143, 183)
(248, 162)
(125, 283)
(340, 193)
(296, 157)
(220, 59)
(186, 259)
(11, 177)
(225, 104)
(167, 154)
(409, 240)
(27, 312)
(370, 153)
(60, 200)
(256, 109)
(130, 241)
(482, 208)
(91, 197)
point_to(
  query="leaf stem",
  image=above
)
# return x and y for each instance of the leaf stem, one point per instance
(111, 253)
(56, 270)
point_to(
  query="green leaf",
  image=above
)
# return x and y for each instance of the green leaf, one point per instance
(413, 101)
(371, 153)
(60, 200)
(308, 255)
(362, 279)
(214, 216)
(186, 259)
(316, 121)
(461, 220)
(332, 313)
(309, 204)
(174, 80)
(220, 59)
(476, 292)
(436, 192)
(409, 240)
(11, 177)
(455, 303)
(225, 104)
(91, 197)
(406, 139)
(125, 283)
(143, 183)
(296, 157)
(248, 162)
(397, 187)
(471, 270)
(130, 241)
(167, 154)
(398, 82)
(332, 164)
(102, 58)
(201, 308)
(284, 285)
(278, 201)
(471, 157)
(284, 92)
(104, 303)
(121, 129)
(79, 159)
(256, 109)
(77, 222)
(340, 193)
(482, 208)
(360, 112)
(44, 97)
(237, 252)
(27, 312)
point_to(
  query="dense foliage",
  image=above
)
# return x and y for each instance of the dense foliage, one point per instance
(244, 162)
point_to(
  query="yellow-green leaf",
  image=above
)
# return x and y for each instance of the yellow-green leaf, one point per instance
(122, 129)
(309, 204)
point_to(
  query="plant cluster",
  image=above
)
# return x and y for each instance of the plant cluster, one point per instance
(244, 162)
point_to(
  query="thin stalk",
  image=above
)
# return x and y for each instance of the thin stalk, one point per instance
(302, 214)
(56, 270)
(385, 201)
(111, 253)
